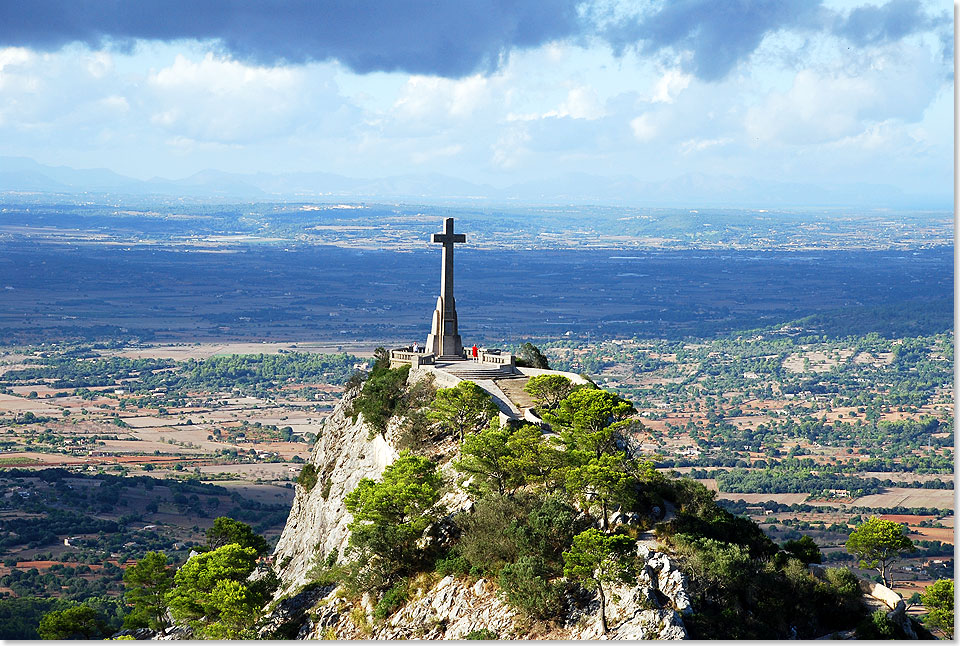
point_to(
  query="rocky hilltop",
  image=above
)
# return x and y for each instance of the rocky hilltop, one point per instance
(440, 607)
(483, 560)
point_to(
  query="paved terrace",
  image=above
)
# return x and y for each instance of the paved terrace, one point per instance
(502, 380)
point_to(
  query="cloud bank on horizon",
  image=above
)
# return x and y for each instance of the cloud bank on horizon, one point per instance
(488, 90)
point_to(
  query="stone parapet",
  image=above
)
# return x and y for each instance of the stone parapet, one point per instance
(407, 357)
(497, 358)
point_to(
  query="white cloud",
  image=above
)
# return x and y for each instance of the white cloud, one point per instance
(100, 64)
(114, 103)
(12, 57)
(225, 101)
(698, 145)
(580, 103)
(433, 96)
(40, 91)
(172, 109)
(671, 84)
(824, 106)
(222, 76)
(510, 148)
(643, 127)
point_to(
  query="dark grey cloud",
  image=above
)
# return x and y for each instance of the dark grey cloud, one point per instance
(445, 37)
(418, 36)
(719, 34)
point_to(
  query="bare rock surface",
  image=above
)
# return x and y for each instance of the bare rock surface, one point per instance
(317, 524)
(455, 607)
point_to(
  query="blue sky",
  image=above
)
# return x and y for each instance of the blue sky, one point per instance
(491, 91)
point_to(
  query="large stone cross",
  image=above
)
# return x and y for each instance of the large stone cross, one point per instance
(444, 339)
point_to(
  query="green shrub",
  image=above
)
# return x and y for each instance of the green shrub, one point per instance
(549, 528)
(530, 356)
(79, 622)
(326, 571)
(416, 433)
(722, 526)
(938, 600)
(548, 390)
(391, 600)
(844, 582)
(484, 634)
(526, 587)
(452, 565)
(805, 549)
(390, 515)
(714, 563)
(877, 626)
(381, 394)
(489, 533)
(837, 599)
(226, 530)
(308, 477)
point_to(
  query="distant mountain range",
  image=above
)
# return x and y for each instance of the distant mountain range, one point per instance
(21, 174)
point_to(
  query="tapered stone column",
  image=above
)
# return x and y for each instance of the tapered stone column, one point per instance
(444, 338)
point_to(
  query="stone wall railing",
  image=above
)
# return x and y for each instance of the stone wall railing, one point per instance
(405, 357)
(497, 358)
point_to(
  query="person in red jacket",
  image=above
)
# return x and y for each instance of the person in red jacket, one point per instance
(474, 352)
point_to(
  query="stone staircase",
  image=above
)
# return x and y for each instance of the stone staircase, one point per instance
(473, 371)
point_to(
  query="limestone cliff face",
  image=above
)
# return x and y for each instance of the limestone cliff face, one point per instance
(344, 454)
(441, 608)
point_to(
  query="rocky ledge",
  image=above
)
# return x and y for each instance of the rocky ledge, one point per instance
(452, 608)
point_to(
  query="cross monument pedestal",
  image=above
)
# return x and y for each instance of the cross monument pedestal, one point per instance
(444, 339)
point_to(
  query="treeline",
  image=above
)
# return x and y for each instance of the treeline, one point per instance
(74, 583)
(189, 496)
(805, 481)
(74, 372)
(218, 373)
(20, 616)
(742, 507)
(230, 371)
(778, 480)
(43, 531)
(918, 318)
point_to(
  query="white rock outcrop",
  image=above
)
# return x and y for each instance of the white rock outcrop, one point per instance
(454, 607)
(344, 454)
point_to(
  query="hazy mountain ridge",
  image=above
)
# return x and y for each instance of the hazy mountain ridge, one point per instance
(19, 174)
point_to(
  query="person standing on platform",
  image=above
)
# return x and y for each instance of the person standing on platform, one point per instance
(475, 354)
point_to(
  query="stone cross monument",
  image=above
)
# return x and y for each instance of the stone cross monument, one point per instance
(444, 340)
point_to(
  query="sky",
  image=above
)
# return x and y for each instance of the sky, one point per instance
(489, 91)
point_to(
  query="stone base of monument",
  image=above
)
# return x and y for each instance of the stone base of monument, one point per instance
(448, 347)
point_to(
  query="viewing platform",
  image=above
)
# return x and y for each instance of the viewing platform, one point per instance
(495, 371)
(489, 364)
